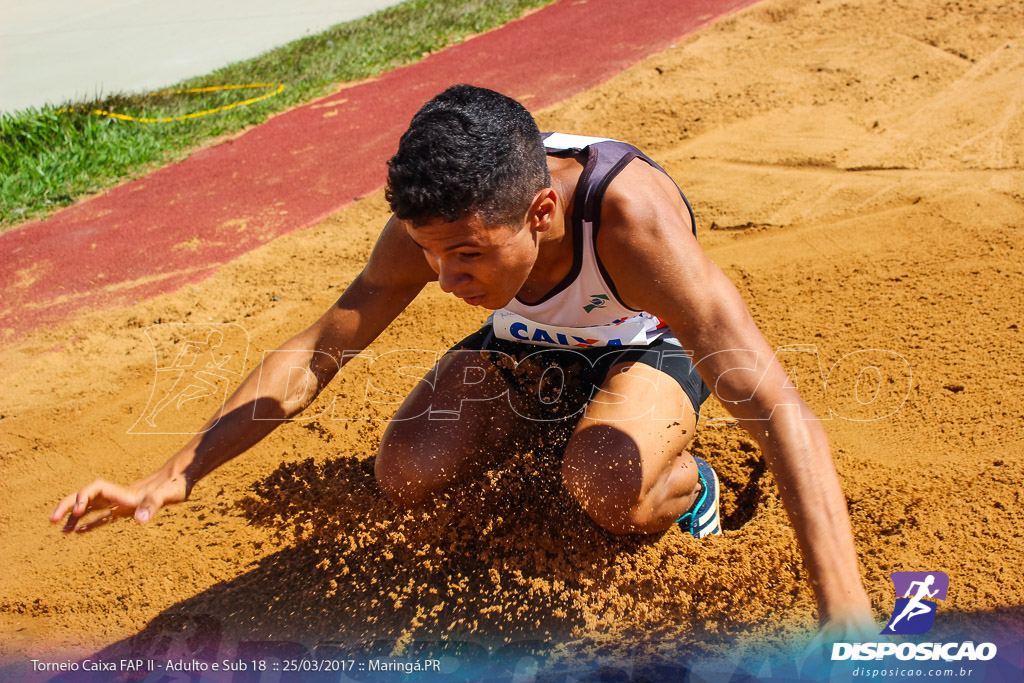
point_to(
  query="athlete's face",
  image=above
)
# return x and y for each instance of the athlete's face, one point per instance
(484, 265)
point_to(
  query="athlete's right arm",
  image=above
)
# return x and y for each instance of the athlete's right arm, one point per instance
(391, 279)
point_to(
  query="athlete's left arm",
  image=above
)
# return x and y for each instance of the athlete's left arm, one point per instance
(646, 244)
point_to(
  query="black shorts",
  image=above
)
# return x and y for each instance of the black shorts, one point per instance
(551, 383)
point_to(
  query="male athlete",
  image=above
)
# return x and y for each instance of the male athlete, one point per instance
(585, 251)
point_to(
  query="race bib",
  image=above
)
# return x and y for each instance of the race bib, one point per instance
(635, 331)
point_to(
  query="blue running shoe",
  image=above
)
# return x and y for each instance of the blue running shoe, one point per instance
(702, 519)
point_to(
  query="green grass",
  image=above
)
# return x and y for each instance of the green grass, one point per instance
(51, 157)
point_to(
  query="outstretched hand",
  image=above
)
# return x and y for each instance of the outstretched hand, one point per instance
(855, 627)
(848, 629)
(102, 502)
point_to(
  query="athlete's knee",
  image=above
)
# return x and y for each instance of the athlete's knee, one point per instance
(621, 518)
(391, 480)
(601, 470)
(397, 475)
(618, 512)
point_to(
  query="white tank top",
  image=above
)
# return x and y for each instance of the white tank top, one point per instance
(584, 309)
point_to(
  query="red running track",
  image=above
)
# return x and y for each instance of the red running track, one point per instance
(299, 167)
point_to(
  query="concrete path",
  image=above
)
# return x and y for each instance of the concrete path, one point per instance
(52, 51)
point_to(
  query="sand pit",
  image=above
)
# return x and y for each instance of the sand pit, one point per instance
(857, 169)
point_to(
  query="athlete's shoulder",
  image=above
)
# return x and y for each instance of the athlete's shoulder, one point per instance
(642, 197)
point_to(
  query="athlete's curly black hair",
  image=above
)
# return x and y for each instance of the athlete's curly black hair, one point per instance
(468, 150)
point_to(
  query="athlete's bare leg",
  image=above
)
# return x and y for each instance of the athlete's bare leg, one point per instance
(631, 474)
(442, 433)
(625, 463)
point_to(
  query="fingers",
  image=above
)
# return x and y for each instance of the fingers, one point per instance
(146, 510)
(101, 496)
(101, 490)
(142, 515)
(105, 501)
(62, 507)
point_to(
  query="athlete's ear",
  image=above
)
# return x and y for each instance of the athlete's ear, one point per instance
(541, 214)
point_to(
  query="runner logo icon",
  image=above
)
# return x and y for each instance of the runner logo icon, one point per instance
(917, 596)
(914, 613)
